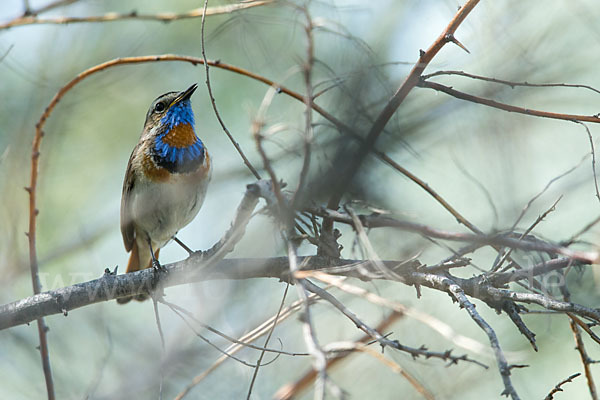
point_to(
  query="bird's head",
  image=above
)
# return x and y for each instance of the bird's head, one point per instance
(170, 110)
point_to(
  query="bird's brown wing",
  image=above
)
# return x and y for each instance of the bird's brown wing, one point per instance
(127, 229)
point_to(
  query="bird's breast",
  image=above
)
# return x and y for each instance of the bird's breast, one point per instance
(164, 202)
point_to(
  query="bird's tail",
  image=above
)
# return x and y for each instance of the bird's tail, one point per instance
(137, 258)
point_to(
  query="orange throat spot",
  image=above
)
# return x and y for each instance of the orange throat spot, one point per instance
(180, 136)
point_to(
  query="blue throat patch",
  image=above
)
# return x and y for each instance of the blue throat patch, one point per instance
(184, 159)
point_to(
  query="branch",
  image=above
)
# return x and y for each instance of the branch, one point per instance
(33, 19)
(506, 240)
(292, 390)
(503, 367)
(558, 387)
(192, 269)
(506, 107)
(508, 83)
(413, 78)
(212, 98)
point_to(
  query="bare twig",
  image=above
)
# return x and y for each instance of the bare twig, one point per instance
(506, 107)
(382, 340)
(262, 353)
(540, 218)
(374, 221)
(585, 327)
(441, 327)
(583, 230)
(33, 19)
(308, 128)
(178, 311)
(508, 83)
(33, 258)
(214, 104)
(558, 387)
(503, 366)
(357, 346)
(249, 337)
(291, 390)
(182, 311)
(162, 345)
(310, 337)
(51, 6)
(593, 153)
(580, 346)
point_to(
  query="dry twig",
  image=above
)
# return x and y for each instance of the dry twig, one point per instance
(32, 18)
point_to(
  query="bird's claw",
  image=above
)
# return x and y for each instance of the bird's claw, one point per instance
(158, 268)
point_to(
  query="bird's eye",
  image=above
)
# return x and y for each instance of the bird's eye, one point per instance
(159, 107)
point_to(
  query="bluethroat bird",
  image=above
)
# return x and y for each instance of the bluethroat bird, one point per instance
(165, 183)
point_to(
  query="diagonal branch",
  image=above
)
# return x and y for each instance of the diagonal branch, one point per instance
(413, 78)
(503, 366)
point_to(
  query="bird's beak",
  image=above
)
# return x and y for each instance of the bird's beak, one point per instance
(186, 94)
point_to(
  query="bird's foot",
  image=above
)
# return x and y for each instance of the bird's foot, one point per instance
(158, 268)
(159, 272)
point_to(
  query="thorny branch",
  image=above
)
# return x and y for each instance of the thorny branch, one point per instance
(292, 390)
(508, 83)
(506, 107)
(558, 387)
(390, 108)
(580, 346)
(32, 18)
(503, 366)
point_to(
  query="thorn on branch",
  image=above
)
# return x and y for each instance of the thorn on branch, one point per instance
(513, 366)
(451, 38)
(107, 271)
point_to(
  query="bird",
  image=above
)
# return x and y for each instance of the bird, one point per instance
(165, 182)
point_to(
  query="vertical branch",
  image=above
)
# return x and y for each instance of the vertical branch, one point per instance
(162, 344)
(262, 353)
(308, 100)
(585, 359)
(286, 216)
(310, 338)
(214, 104)
(579, 345)
(33, 261)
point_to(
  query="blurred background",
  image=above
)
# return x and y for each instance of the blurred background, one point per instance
(487, 163)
